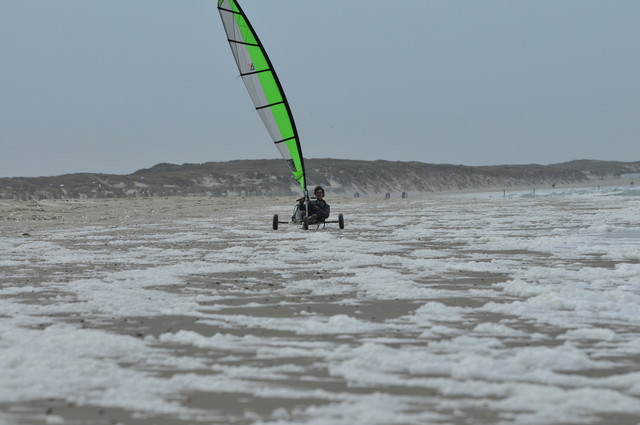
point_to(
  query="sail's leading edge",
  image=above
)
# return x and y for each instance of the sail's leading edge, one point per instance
(263, 85)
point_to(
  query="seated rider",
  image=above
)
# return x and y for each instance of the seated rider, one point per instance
(318, 208)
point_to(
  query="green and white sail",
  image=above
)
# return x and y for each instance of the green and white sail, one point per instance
(263, 85)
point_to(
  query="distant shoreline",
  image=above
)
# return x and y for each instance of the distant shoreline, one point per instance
(342, 178)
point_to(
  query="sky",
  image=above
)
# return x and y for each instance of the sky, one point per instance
(116, 86)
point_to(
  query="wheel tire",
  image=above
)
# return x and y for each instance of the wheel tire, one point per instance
(305, 223)
(275, 222)
(341, 221)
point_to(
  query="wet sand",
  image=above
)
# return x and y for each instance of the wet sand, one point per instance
(255, 294)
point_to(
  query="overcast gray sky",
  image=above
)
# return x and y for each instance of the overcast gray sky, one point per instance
(113, 86)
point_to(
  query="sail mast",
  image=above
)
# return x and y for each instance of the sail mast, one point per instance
(264, 86)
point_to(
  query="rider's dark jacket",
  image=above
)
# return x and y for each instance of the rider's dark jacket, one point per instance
(320, 208)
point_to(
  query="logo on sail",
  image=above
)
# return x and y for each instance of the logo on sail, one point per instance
(251, 67)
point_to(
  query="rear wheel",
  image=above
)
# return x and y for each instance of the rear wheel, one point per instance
(275, 222)
(341, 221)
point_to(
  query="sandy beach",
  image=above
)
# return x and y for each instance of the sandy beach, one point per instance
(452, 309)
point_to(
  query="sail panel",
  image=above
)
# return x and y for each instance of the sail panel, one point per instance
(263, 86)
(269, 120)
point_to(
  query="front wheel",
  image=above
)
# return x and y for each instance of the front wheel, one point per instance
(275, 222)
(341, 221)
(305, 223)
